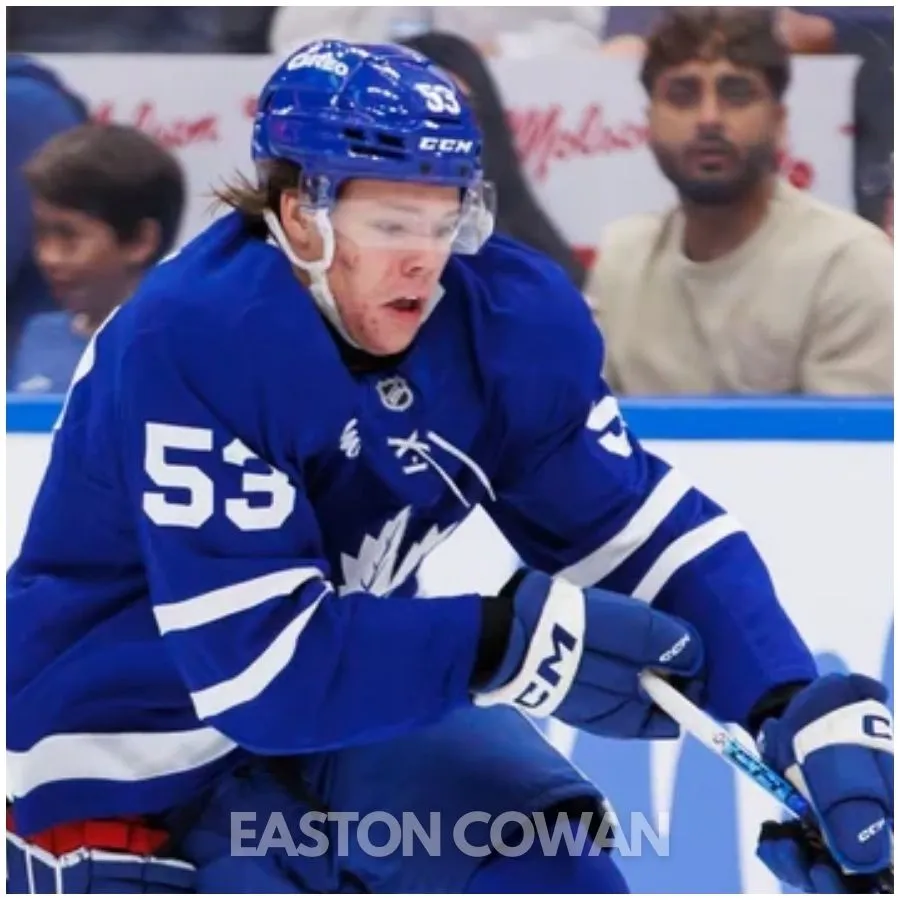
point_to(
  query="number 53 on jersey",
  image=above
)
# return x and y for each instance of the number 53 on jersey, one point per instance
(196, 500)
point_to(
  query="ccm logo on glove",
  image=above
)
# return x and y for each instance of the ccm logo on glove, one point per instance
(548, 671)
(577, 654)
(675, 649)
(545, 646)
(878, 727)
(868, 833)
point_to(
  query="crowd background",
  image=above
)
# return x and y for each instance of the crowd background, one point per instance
(94, 202)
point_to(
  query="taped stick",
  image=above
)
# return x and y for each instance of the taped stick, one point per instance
(718, 739)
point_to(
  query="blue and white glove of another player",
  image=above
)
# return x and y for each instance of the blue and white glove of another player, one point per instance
(834, 743)
(576, 654)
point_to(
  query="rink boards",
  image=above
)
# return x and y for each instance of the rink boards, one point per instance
(812, 484)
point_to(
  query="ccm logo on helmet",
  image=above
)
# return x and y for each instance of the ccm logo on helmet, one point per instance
(326, 62)
(446, 145)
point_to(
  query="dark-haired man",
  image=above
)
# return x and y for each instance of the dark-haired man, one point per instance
(107, 203)
(749, 286)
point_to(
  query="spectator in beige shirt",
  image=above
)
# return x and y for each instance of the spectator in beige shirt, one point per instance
(749, 286)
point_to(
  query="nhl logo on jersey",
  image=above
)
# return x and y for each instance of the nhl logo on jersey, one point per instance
(395, 393)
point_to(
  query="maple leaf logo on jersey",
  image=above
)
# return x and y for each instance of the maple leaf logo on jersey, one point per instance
(379, 567)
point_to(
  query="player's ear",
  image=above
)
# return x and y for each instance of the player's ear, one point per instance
(299, 226)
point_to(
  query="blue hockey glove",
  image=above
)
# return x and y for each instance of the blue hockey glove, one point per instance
(576, 654)
(834, 742)
(31, 870)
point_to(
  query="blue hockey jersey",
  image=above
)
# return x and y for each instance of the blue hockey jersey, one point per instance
(220, 557)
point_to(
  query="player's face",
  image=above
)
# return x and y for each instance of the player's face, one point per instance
(88, 269)
(392, 241)
(715, 129)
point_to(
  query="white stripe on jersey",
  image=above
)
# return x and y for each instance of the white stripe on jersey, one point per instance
(129, 757)
(597, 565)
(234, 598)
(253, 680)
(689, 546)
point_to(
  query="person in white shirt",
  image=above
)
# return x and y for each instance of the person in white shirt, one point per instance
(748, 286)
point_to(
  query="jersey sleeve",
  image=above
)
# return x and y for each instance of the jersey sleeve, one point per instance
(582, 498)
(271, 655)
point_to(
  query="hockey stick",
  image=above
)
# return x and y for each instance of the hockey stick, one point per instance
(717, 738)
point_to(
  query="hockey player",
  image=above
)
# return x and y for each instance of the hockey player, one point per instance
(213, 616)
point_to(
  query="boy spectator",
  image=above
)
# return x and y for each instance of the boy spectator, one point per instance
(748, 286)
(38, 106)
(107, 203)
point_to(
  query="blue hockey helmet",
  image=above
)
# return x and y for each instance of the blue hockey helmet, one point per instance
(341, 111)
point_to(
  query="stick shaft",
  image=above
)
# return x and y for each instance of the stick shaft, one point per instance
(714, 736)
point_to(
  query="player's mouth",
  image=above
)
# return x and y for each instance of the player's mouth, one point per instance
(407, 306)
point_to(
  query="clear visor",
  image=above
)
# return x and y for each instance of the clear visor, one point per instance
(433, 220)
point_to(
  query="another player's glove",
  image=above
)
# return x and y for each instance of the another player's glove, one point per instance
(576, 654)
(834, 743)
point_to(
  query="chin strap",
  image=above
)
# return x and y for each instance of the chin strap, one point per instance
(318, 271)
